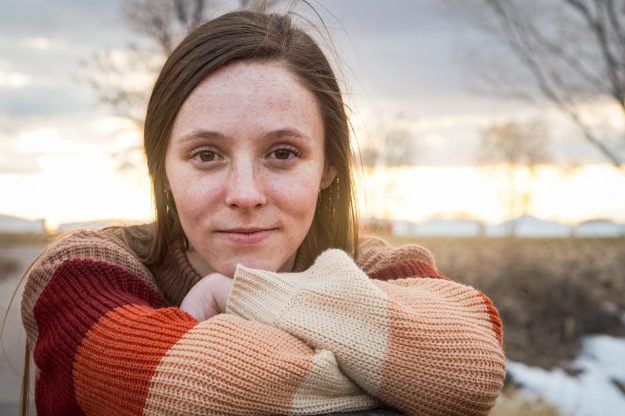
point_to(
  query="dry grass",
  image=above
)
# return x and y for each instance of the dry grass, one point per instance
(10, 239)
(7, 266)
(514, 402)
(549, 292)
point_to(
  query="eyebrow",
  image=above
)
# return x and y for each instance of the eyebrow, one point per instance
(213, 135)
(289, 132)
(202, 134)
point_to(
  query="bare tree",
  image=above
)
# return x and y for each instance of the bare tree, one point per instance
(123, 80)
(570, 50)
(515, 145)
(395, 145)
(161, 24)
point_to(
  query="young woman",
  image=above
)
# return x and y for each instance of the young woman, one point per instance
(251, 293)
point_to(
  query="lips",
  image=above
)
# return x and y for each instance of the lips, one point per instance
(245, 230)
(251, 235)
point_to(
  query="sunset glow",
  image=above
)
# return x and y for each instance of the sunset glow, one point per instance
(61, 151)
(88, 187)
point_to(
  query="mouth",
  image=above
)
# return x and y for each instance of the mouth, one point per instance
(245, 230)
(246, 235)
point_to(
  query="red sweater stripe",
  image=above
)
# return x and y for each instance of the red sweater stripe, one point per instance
(78, 294)
(493, 315)
(405, 269)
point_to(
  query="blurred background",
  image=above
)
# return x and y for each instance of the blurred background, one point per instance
(492, 132)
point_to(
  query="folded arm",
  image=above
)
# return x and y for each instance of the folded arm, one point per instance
(427, 346)
(104, 343)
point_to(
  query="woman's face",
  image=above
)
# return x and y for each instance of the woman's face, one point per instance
(245, 163)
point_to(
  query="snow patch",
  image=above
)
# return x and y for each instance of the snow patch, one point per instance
(592, 393)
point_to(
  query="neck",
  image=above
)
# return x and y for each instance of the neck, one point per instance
(198, 263)
(204, 269)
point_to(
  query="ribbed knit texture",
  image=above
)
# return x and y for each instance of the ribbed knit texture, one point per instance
(343, 335)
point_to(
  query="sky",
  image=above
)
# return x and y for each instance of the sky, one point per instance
(404, 61)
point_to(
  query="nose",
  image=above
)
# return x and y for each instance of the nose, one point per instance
(244, 187)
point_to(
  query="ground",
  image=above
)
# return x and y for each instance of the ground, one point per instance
(550, 294)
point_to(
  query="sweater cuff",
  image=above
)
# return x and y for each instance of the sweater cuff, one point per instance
(259, 295)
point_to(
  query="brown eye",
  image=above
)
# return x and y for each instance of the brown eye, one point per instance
(206, 155)
(283, 154)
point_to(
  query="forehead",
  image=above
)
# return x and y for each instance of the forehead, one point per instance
(255, 91)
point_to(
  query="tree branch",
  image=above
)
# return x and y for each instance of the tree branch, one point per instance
(563, 74)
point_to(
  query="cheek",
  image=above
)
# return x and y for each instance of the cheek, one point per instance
(187, 189)
(188, 204)
(194, 203)
(296, 195)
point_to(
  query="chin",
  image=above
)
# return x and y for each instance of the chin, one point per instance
(259, 264)
(229, 268)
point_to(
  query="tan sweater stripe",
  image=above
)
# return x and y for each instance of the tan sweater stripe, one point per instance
(81, 245)
(432, 314)
(244, 364)
(328, 390)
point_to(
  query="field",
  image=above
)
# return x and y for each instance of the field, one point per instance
(549, 292)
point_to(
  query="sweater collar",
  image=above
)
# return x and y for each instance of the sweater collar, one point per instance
(176, 276)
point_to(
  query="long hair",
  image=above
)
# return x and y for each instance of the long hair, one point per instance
(244, 36)
(251, 36)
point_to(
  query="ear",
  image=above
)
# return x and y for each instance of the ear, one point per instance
(329, 173)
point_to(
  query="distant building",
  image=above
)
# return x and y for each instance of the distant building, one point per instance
(528, 226)
(16, 225)
(403, 228)
(93, 225)
(599, 228)
(375, 226)
(449, 228)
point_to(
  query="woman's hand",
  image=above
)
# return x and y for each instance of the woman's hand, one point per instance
(208, 297)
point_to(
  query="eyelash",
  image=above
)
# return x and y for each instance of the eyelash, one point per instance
(198, 151)
(293, 151)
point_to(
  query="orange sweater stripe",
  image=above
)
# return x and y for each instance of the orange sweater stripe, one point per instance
(118, 356)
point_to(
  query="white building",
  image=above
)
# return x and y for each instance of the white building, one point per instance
(93, 225)
(528, 226)
(599, 228)
(16, 225)
(403, 228)
(449, 228)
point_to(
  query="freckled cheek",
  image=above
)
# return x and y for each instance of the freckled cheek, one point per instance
(195, 197)
(296, 195)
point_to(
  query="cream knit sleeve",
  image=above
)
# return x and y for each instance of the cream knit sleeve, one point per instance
(425, 346)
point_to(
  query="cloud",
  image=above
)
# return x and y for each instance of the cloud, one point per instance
(14, 80)
(368, 17)
(12, 162)
(37, 148)
(45, 100)
(84, 21)
(38, 42)
(19, 165)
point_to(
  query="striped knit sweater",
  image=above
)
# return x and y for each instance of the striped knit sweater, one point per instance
(388, 328)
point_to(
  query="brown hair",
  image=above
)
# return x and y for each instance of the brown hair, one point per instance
(251, 36)
(237, 36)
